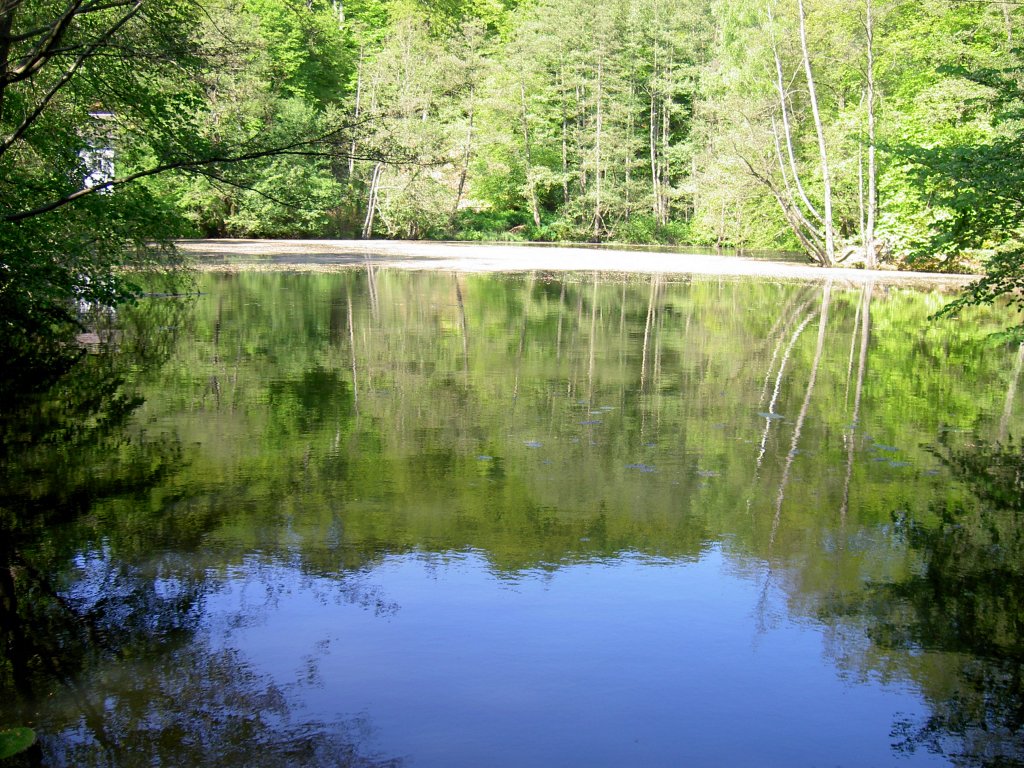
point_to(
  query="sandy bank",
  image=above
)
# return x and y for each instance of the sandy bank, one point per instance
(329, 255)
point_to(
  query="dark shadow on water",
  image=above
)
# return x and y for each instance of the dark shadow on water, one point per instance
(106, 625)
(963, 605)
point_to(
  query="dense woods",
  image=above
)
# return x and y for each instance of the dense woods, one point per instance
(854, 131)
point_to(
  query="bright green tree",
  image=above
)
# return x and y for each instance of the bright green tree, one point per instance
(99, 99)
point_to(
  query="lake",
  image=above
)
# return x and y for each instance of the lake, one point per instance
(391, 518)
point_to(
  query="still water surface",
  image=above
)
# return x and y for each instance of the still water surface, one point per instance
(392, 518)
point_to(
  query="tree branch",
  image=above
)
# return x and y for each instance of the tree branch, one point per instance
(305, 148)
(42, 50)
(63, 80)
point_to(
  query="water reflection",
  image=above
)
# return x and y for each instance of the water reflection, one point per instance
(103, 601)
(961, 608)
(423, 515)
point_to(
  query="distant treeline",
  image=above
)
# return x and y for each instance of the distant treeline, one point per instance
(830, 127)
(853, 131)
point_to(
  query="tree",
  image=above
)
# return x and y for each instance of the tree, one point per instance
(97, 99)
(980, 187)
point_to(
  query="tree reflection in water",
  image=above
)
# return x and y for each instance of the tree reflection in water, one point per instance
(198, 706)
(308, 428)
(963, 606)
(90, 619)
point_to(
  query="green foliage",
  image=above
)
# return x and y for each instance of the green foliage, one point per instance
(645, 123)
(14, 741)
(117, 118)
(639, 230)
(489, 225)
(976, 184)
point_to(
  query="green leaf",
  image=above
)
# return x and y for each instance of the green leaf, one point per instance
(15, 740)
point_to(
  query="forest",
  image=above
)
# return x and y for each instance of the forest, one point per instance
(857, 132)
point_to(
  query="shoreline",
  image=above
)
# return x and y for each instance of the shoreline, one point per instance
(230, 255)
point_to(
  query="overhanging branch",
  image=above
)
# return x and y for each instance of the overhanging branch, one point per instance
(315, 147)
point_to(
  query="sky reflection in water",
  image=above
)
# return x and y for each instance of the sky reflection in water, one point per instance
(627, 661)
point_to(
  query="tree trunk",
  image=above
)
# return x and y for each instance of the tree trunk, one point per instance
(565, 128)
(630, 135)
(870, 256)
(6, 26)
(371, 204)
(531, 186)
(655, 186)
(806, 230)
(579, 132)
(860, 197)
(826, 178)
(359, 95)
(786, 127)
(464, 171)
(598, 219)
(665, 173)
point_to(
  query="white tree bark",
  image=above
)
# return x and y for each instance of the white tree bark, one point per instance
(826, 177)
(870, 255)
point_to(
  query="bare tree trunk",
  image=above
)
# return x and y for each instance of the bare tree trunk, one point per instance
(870, 256)
(786, 127)
(630, 135)
(655, 182)
(565, 147)
(598, 219)
(665, 174)
(6, 26)
(720, 239)
(793, 217)
(464, 171)
(826, 178)
(861, 208)
(695, 199)
(565, 165)
(579, 132)
(1008, 21)
(531, 185)
(808, 231)
(371, 204)
(359, 95)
